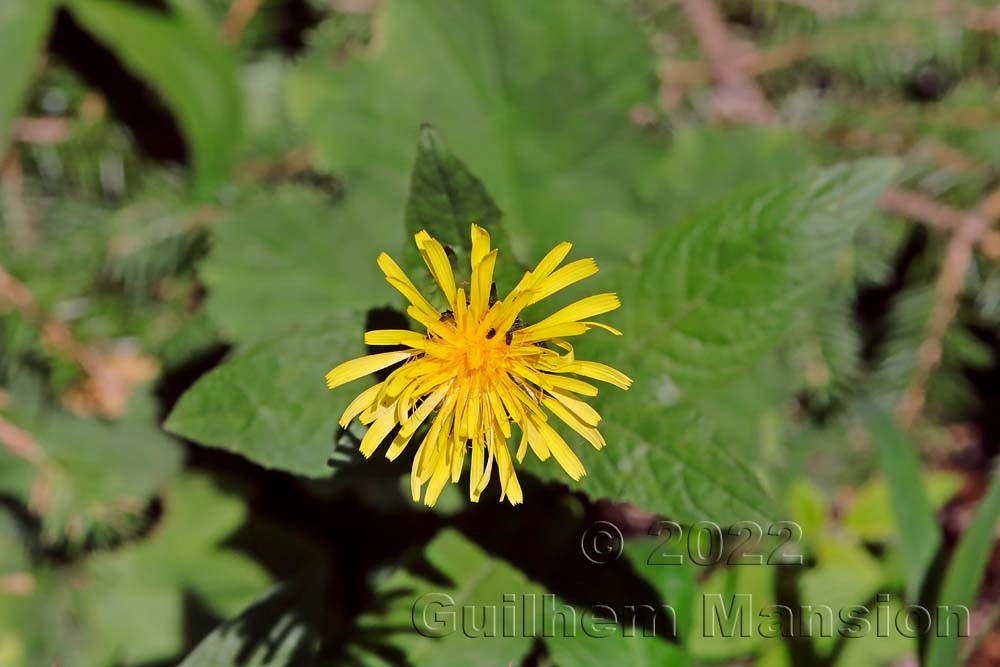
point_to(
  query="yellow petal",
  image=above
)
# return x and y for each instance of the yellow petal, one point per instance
(589, 433)
(398, 279)
(437, 262)
(437, 483)
(598, 371)
(571, 273)
(395, 337)
(359, 404)
(570, 384)
(581, 409)
(581, 310)
(362, 366)
(561, 451)
(480, 245)
(482, 281)
(378, 431)
(545, 267)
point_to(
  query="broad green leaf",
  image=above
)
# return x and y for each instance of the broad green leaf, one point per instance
(537, 103)
(445, 199)
(23, 26)
(716, 293)
(278, 630)
(187, 64)
(727, 616)
(712, 297)
(964, 575)
(93, 478)
(703, 164)
(916, 524)
(881, 646)
(286, 259)
(668, 460)
(269, 402)
(845, 574)
(676, 586)
(423, 618)
(185, 554)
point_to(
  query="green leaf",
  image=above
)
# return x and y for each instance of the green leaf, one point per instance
(845, 574)
(716, 293)
(445, 199)
(964, 575)
(23, 26)
(93, 478)
(185, 554)
(721, 596)
(676, 586)
(277, 631)
(919, 534)
(269, 403)
(712, 297)
(423, 618)
(187, 64)
(127, 606)
(285, 259)
(668, 460)
(871, 516)
(536, 102)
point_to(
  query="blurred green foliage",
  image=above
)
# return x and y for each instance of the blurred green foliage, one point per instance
(173, 481)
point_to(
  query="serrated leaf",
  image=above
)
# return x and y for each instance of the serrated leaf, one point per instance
(537, 103)
(286, 259)
(188, 65)
(711, 299)
(667, 459)
(269, 403)
(445, 199)
(716, 293)
(23, 26)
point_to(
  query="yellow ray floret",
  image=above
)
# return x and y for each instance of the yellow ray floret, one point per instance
(477, 371)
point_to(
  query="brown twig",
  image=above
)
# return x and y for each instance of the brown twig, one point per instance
(41, 130)
(737, 97)
(19, 442)
(110, 377)
(239, 15)
(951, 278)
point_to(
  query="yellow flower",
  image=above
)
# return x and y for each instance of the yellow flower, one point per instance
(480, 369)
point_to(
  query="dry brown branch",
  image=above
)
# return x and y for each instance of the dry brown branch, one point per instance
(921, 208)
(14, 208)
(17, 583)
(972, 229)
(239, 15)
(41, 130)
(19, 442)
(737, 97)
(110, 377)
(951, 278)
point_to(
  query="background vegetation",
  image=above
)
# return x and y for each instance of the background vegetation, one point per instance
(192, 196)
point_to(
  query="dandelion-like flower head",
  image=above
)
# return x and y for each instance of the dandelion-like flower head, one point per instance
(480, 372)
